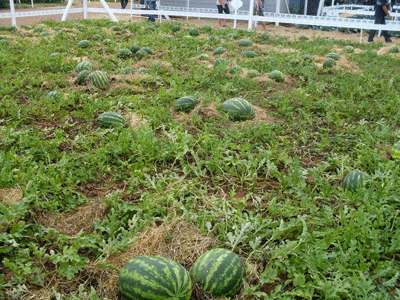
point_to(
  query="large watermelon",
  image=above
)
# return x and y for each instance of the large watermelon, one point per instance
(220, 272)
(99, 79)
(186, 103)
(109, 119)
(355, 180)
(395, 151)
(239, 109)
(154, 278)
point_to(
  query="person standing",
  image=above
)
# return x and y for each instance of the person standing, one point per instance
(381, 11)
(222, 8)
(124, 3)
(259, 11)
(151, 4)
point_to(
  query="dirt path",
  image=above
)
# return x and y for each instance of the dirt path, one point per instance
(290, 32)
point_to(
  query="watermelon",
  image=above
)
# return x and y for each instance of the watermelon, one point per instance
(232, 36)
(134, 48)
(143, 70)
(219, 50)
(84, 65)
(348, 49)
(109, 119)
(265, 36)
(276, 75)
(81, 78)
(239, 109)
(147, 50)
(55, 54)
(128, 70)
(394, 50)
(329, 63)
(55, 28)
(107, 42)
(212, 38)
(204, 57)
(307, 57)
(39, 28)
(193, 32)
(124, 53)
(97, 37)
(99, 79)
(185, 104)
(355, 180)
(176, 28)
(154, 278)
(44, 33)
(220, 272)
(250, 54)
(245, 43)
(220, 61)
(333, 55)
(55, 95)
(141, 54)
(116, 28)
(303, 38)
(236, 69)
(395, 151)
(85, 44)
(206, 28)
(4, 42)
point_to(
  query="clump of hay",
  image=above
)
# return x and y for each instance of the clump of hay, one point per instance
(72, 223)
(12, 195)
(135, 120)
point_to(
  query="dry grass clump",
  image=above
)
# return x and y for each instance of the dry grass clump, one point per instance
(11, 195)
(71, 223)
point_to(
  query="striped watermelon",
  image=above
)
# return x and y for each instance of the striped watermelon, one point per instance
(81, 78)
(154, 278)
(395, 151)
(84, 65)
(333, 55)
(85, 44)
(239, 109)
(109, 119)
(186, 103)
(329, 63)
(220, 272)
(124, 53)
(55, 95)
(99, 79)
(355, 180)
(245, 43)
(277, 76)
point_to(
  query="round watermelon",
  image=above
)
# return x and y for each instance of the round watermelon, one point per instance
(395, 151)
(356, 180)
(220, 272)
(85, 44)
(99, 79)
(277, 76)
(239, 109)
(245, 43)
(109, 119)
(84, 65)
(154, 278)
(185, 104)
(329, 63)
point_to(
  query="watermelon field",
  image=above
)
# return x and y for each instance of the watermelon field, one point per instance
(130, 139)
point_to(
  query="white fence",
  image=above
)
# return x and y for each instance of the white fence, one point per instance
(137, 9)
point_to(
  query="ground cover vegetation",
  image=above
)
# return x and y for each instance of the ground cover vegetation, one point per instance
(79, 199)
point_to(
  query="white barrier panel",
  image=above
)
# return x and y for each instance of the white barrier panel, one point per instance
(40, 13)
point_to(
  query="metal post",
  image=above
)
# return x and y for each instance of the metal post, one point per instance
(108, 10)
(84, 3)
(320, 7)
(66, 11)
(13, 18)
(305, 7)
(251, 11)
(278, 9)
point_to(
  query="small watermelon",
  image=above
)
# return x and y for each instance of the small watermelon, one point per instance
(55, 95)
(394, 50)
(148, 50)
(55, 54)
(84, 65)
(355, 180)
(128, 70)
(219, 50)
(204, 57)
(232, 36)
(239, 109)
(303, 38)
(193, 32)
(134, 48)
(154, 278)
(220, 61)
(99, 79)
(307, 57)
(124, 53)
(116, 28)
(97, 37)
(333, 55)
(220, 272)
(109, 119)
(141, 54)
(81, 78)
(185, 104)
(395, 151)
(176, 28)
(245, 43)
(348, 49)
(85, 44)
(329, 63)
(250, 54)
(277, 76)
(236, 69)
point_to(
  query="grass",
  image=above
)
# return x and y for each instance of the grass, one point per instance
(79, 200)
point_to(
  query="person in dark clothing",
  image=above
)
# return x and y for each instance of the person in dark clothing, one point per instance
(381, 11)
(151, 4)
(124, 3)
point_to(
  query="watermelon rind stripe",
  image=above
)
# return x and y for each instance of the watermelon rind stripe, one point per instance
(395, 151)
(239, 109)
